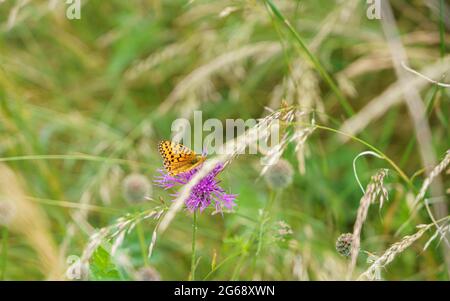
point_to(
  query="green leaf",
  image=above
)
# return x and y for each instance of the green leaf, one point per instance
(102, 266)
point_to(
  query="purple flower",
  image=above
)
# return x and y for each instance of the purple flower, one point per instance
(206, 192)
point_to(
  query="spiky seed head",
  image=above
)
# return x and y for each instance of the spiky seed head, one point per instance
(279, 175)
(344, 244)
(136, 188)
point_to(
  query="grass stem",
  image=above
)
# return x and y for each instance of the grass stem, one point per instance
(193, 254)
(140, 233)
(344, 102)
(5, 236)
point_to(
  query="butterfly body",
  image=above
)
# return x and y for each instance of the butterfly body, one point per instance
(178, 158)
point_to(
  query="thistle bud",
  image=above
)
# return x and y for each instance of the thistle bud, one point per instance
(344, 244)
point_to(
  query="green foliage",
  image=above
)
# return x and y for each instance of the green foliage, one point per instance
(102, 267)
(83, 104)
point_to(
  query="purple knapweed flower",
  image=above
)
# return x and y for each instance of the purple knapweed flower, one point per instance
(206, 192)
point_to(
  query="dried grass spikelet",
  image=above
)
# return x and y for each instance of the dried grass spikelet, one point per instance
(112, 237)
(14, 13)
(413, 202)
(308, 98)
(342, 14)
(391, 96)
(28, 220)
(346, 85)
(195, 82)
(303, 130)
(375, 191)
(298, 136)
(300, 87)
(434, 173)
(391, 253)
(167, 53)
(440, 232)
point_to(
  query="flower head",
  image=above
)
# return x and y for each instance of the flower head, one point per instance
(344, 244)
(206, 192)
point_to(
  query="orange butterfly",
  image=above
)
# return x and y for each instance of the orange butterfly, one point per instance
(178, 158)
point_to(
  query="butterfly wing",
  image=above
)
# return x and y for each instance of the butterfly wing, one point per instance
(178, 158)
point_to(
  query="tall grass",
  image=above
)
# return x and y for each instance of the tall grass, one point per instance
(83, 104)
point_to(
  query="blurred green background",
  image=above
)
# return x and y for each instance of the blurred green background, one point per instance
(110, 84)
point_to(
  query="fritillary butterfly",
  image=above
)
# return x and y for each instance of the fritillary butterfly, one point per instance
(178, 158)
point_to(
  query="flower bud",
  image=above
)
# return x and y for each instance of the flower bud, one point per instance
(344, 244)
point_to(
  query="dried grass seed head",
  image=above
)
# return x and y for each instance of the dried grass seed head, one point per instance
(136, 188)
(280, 175)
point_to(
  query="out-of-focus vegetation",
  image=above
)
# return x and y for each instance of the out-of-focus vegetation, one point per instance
(83, 104)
